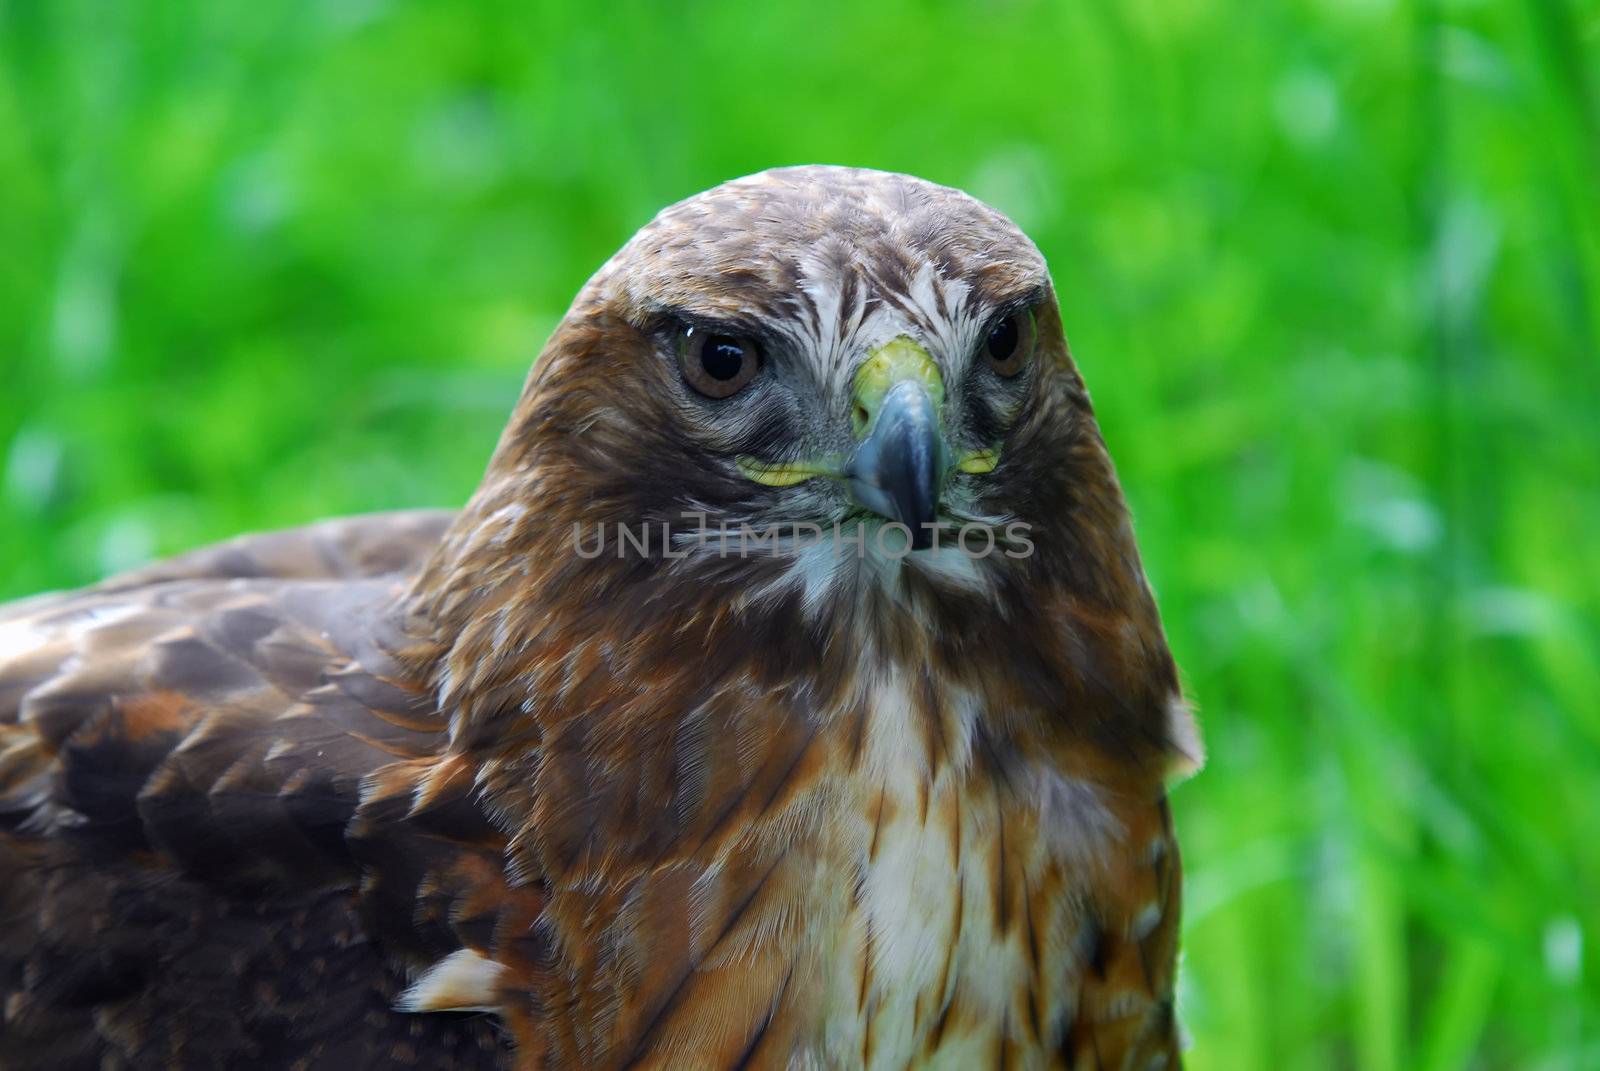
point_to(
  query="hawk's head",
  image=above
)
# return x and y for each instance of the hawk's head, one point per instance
(811, 403)
(825, 344)
(821, 378)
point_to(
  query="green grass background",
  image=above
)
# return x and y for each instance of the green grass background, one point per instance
(1332, 270)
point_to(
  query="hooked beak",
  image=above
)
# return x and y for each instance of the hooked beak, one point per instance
(898, 468)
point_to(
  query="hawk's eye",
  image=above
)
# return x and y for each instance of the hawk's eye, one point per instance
(1009, 343)
(717, 366)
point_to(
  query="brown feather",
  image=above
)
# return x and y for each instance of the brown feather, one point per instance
(291, 798)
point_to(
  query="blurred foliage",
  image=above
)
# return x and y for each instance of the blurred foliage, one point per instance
(1330, 267)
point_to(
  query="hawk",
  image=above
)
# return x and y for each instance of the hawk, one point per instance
(789, 694)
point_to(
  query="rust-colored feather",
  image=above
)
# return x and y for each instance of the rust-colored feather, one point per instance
(434, 790)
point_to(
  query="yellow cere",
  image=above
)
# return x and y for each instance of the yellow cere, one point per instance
(897, 360)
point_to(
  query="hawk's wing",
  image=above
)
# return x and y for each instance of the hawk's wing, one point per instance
(1125, 1013)
(191, 757)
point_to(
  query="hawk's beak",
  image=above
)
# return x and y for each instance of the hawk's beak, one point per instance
(898, 467)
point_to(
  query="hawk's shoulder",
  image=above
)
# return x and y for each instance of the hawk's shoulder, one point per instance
(184, 753)
(169, 667)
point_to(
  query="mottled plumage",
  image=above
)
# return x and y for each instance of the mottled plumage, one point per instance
(435, 790)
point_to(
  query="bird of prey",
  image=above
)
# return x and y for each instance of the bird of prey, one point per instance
(789, 694)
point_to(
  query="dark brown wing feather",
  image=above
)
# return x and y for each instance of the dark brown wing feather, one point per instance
(182, 752)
